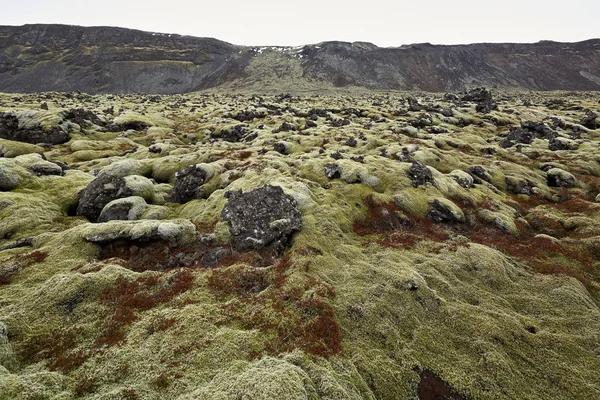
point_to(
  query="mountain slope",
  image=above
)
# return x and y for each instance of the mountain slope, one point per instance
(116, 60)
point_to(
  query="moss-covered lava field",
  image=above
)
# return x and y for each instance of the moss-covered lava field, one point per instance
(364, 246)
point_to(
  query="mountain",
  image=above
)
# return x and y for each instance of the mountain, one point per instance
(117, 60)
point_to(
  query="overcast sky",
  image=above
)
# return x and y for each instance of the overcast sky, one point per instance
(385, 23)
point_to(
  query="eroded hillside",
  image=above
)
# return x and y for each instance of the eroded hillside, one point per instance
(50, 57)
(388, 246)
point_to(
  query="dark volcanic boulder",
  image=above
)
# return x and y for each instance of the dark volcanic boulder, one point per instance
(540, 129)
(237, 133)
(419, 174)
(188, 182)
(101, 191)
(441, 212)
(517, 135)
(83, 117)
(264, 218)
(31, 126)
(483, 98)
(590, 120)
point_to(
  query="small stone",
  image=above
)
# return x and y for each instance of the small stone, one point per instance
(332, 171)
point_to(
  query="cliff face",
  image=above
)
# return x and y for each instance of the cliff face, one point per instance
(116, 60)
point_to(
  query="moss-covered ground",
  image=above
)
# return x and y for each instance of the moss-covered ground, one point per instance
(373, 298)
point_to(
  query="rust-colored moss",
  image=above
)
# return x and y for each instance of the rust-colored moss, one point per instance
(127, 297)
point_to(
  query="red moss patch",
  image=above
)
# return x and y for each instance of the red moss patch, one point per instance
(298, 315)
(127, 297)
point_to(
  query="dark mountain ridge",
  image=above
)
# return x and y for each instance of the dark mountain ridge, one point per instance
(118, 60)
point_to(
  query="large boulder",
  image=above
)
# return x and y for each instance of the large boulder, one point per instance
(262, 218)
(101, 191)
(33, 126)
(188, 183)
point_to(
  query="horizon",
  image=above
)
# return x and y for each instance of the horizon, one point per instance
(385, 24)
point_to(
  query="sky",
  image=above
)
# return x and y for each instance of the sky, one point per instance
(384, 23)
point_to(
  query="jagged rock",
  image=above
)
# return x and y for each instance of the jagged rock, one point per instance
(237, 133)
(540, 129)
(560, 178)
(336, 155)
(188, 183)
(101, 191)
(339, 122)
(479, 172)
(285, 127)
(422, 121)
(83, 117)
(351, 142)
(332, 171)
(262, 218)
(483, 98)
(590, 120)
(249, 114)
(419, 174)
(477, 95)
(125, 209)
(414, 105)
(444, 211)
(517, 135)
(33, 126)
(562, 144)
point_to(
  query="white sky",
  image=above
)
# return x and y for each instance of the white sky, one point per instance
(385, 23)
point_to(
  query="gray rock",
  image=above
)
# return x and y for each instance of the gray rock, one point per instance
(101, 191)
(479, 173)
(188, 183)
(282, 147)
(262, 218)
(419, 174)
(590, 120)
(125, 209)
(9, 179)
(332, 171)
(46, 168)
(440, 212)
